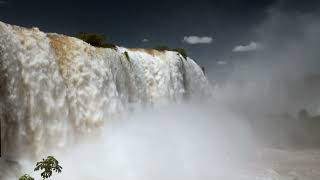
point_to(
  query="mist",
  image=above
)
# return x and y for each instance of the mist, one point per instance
(275, 76)
(271, 85)
(249, 129)
(189, 141)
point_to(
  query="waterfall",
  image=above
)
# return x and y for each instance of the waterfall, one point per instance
(57, 89)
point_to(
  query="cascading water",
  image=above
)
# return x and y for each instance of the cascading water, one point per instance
(60, 96)
(56, 89)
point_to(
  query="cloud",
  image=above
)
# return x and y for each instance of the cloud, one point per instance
(145, 40)
(253, 46)
(197, 40)
(222, 62)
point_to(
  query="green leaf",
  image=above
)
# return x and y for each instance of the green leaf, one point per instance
(26, 177)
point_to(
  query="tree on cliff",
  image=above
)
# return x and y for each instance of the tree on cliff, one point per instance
(48, 165)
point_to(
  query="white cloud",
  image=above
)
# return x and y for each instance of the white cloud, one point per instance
(222, 62)
(197, 40)
(253, 46)
(145, 40)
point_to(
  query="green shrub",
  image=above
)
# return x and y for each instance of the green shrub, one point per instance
(97, 40)
(181, 51)
(108, 45)
(91, 38)
(162, 48)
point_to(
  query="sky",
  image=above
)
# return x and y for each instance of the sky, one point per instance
(212, 31)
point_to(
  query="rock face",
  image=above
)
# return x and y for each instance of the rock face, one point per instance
(55, 88)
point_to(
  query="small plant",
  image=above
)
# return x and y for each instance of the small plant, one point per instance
(48, 165)
(203, 70)
(127, 55)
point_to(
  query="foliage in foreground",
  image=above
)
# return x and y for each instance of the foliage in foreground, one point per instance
(97, 40)
(47, 166)
(181, 51)
(26, 177)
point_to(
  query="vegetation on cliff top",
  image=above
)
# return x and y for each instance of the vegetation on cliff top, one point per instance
(181, 51)
(97, 40)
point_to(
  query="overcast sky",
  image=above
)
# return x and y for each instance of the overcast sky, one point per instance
(210, 30)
